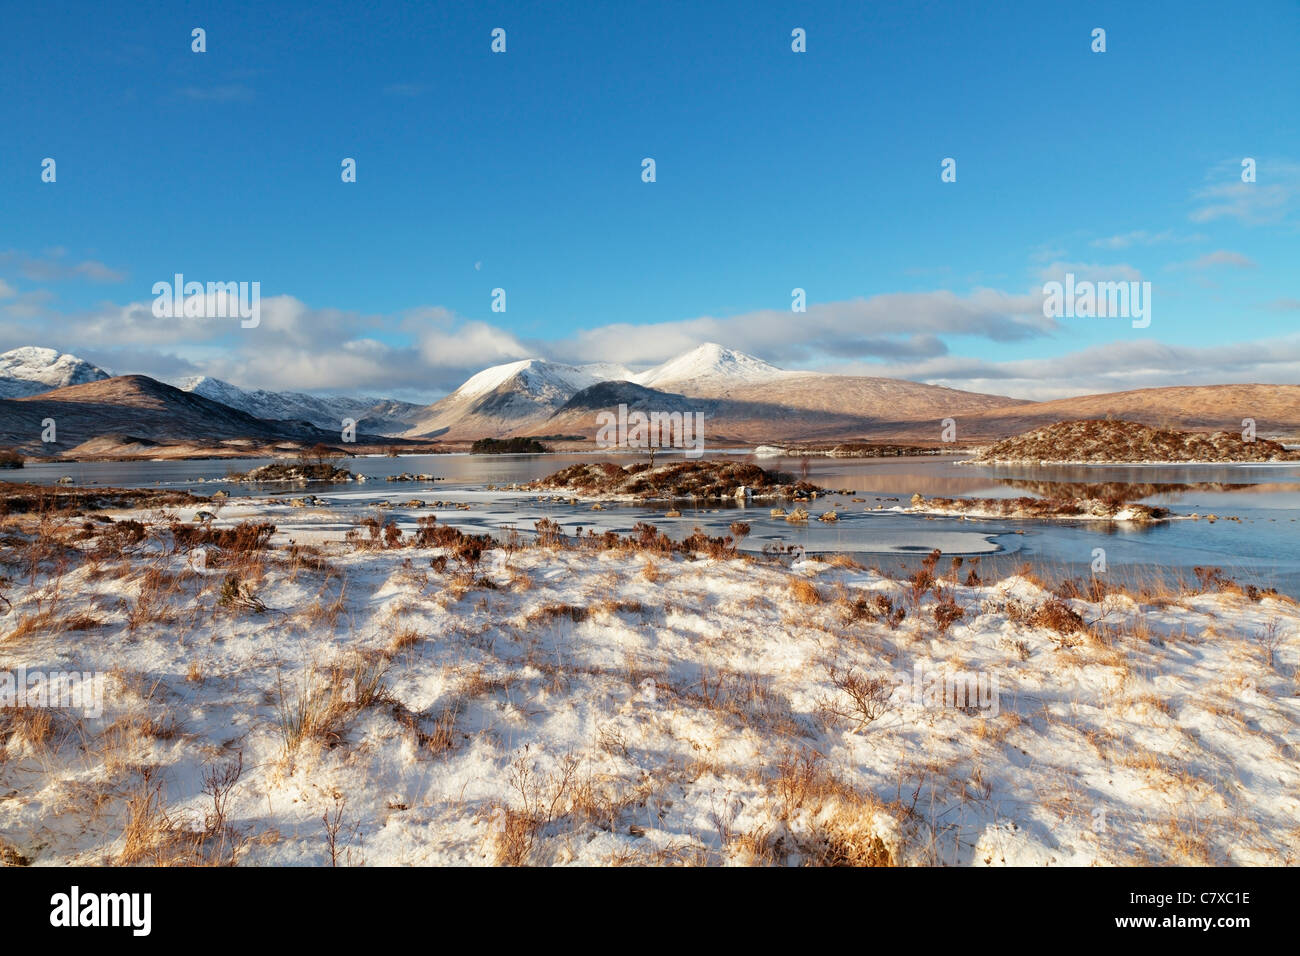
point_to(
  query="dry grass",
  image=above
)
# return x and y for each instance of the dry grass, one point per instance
(25, 727)
(313, 711)
(804, 591)
(827, 822)
(406, 637)
(155, 837)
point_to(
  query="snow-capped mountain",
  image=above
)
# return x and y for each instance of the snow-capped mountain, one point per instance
(31, 370)
(540, 377)
(501, 399)
(376, 416)
(129, 414)
(743, 397)
(520, 397)
(711, 364)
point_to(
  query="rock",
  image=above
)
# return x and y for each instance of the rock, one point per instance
(829, 516)
(65, 480)
(777, 512)
(743, 492)
(917, 499)
(204, 516)
(799, 514)
(672, 514)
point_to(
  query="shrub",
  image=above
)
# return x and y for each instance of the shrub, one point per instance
(947, 613)
(867, 697)
(921, 580)
(243, 537)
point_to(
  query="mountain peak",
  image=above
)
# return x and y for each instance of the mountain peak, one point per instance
(493, 376)
(30, 370)
(709, 361)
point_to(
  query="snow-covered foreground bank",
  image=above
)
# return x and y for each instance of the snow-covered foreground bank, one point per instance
(552, 706)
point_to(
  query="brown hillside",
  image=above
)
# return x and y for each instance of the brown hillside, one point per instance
(1275, 409)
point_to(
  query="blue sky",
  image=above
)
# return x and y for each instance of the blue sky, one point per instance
(775, 170)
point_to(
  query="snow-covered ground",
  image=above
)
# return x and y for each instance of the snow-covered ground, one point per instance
(553, 706)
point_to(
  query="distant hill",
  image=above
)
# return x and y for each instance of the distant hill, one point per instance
(1274, 408)
(136, 408)
(375, 416)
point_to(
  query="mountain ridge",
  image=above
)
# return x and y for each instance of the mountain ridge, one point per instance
(745, 400)
(374, 415)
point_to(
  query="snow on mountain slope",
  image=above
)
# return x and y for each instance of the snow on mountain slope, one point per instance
(712, 363)
(503, 398)
(540, 377)
(31, 370)
(376, 416)
(485, 381)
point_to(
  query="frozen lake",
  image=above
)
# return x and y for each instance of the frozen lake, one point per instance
(1260, 550)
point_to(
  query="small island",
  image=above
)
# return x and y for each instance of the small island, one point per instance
(508, 446)
(295, 471)
(1111, 508)
(1104, 441)
(716, 480)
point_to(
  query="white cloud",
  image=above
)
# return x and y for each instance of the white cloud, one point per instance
(221, 93)
(51, 267)
(1270, 199)
(1090, 271)
(895, 324)
(1116, 366)
(1220, 257)
(449, 342)
(1141, 237)
(427, 352)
